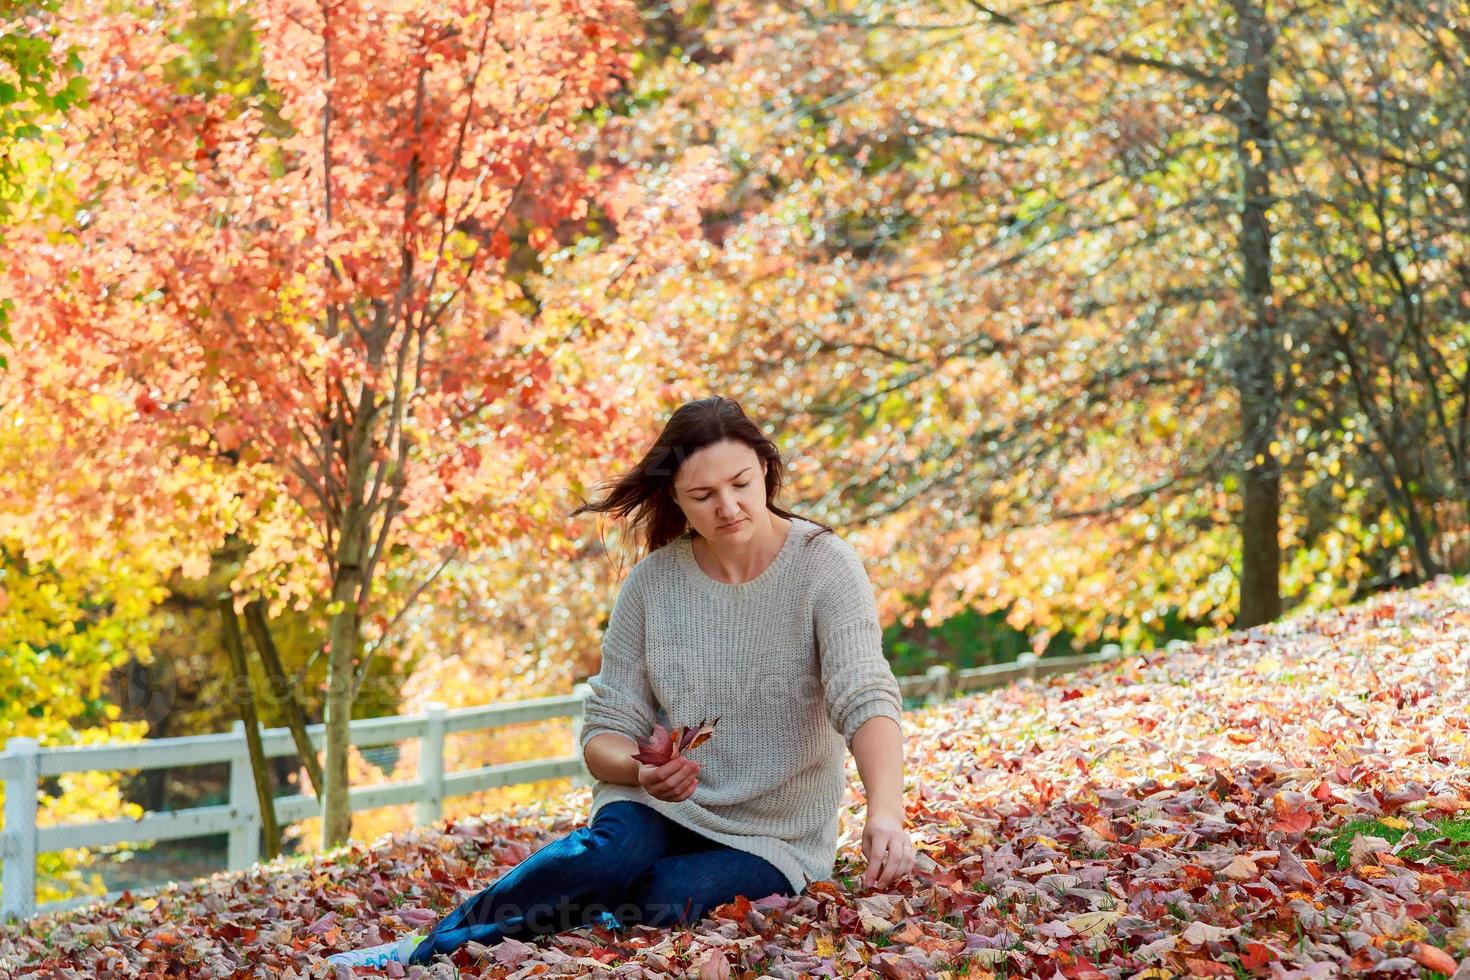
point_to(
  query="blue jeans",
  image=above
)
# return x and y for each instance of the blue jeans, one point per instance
(631, 865)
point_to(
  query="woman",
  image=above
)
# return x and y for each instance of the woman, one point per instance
(740, 612)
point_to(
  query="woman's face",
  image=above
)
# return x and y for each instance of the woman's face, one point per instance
(722, 491)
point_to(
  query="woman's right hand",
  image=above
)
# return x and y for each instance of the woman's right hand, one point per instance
(672, 782)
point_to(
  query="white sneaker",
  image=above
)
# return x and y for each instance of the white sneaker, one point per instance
(378, 956)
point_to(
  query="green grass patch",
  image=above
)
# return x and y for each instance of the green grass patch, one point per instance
(1447, 842)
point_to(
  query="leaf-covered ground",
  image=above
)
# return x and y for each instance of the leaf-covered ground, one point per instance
(1290, 802)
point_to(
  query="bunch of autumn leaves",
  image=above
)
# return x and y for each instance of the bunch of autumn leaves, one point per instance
(662, 745)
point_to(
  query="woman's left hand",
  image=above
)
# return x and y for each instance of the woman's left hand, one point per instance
(887, 847)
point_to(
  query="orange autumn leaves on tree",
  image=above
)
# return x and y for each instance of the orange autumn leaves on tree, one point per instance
(249, 284)
(341, 312)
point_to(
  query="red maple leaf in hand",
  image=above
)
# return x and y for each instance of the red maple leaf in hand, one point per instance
(661, 746)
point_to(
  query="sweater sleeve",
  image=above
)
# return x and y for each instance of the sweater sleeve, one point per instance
(857, 682)
(621, 699)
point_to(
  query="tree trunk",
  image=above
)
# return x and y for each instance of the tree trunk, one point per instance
(1258, 347)
(260, 632)
(348, 588)
(336, 814)
(246, 699)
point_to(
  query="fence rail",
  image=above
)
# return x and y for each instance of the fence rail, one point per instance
(24, 762)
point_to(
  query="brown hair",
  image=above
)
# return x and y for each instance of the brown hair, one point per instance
(647, 489)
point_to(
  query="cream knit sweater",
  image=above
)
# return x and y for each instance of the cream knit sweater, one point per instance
(791, 662)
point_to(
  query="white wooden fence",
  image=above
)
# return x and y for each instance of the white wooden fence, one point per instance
(24, 762)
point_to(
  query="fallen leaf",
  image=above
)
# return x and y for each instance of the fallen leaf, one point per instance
(1364, 847)
(1241, 868)
(714, 966)
(1296, 820)
(1092, 924)
(1199, 933)
(1434, 958)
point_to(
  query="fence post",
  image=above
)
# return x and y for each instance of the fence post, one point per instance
(583, 778)
(431, 765)
(938, 675)
(1028, 660)
(245, 830)
(19, 835)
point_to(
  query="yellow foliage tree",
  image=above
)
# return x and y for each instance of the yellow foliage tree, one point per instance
(66, 627)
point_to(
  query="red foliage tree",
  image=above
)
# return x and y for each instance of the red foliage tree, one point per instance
(334, 312)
